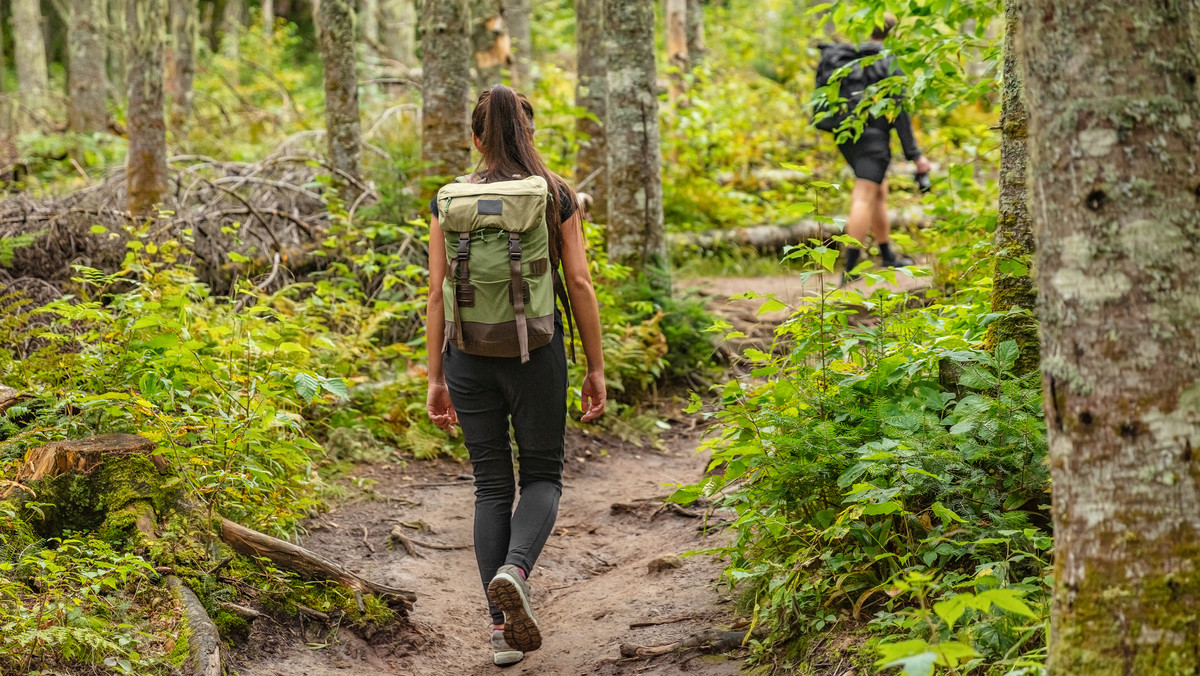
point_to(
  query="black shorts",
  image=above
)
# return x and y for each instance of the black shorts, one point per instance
(870, 155)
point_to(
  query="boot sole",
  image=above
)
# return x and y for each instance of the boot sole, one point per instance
(520, 629)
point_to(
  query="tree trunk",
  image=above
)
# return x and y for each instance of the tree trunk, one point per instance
(29, 48)
(1113, 111)
(268, 17)
(591, 161)
(398, 30)
(87, 104)
(695, 31)
(677, 44)
(3, 62)
(231, 26)
(368, 23)
(181, 59)
(118, 75)
(635, 207)
(1012, 278)
(146, 163)
(489, 42)
(445, 121)
(517, 14)
(343, 129)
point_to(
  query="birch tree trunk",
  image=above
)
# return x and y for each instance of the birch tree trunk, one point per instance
(146, 164)
(268, 17)
(1113, 117)
(591, 160)
(29, 48)
(87, 104)
(398, 30)
(695, 31)
(635, 208)
(343, 129)
(445, 117)
(368, 23)
(677, 44)
(181, 58)
(489, 42)
(1012, 276)
(517, 14)
(118, 78)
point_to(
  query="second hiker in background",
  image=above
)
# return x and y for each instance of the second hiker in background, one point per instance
(868, 153)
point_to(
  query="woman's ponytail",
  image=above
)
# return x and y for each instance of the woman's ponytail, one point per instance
(503, 123)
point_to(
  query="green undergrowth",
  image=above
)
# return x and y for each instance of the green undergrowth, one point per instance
(888, 477)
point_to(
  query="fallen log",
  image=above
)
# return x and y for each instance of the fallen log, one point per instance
(773, 238)
(10, 397)
(305, 563)
(204, 642)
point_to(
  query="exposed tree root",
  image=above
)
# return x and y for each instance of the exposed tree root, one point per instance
(709, 640)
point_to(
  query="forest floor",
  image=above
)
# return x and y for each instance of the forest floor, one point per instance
(602, 571)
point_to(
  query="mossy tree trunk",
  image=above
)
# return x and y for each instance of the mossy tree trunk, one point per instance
(29, 48)
(146, 163)
(87, 104)
(181, 58)
(231, 26)
(1114, 111)
(343, 128)
(489, 42)
(695, 31)
(518, 15)
(368, 23)
(635, 206)
(591, 65)
(1013, 283)
(398, 30)
(118, 47)
(445, 122)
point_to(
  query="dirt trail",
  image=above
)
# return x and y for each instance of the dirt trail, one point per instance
(591, 582)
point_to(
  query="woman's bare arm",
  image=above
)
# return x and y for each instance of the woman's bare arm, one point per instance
(586, 312)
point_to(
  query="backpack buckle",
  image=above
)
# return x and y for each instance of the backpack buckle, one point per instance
(514, 247)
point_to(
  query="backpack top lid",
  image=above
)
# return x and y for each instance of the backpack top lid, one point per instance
(517, 206)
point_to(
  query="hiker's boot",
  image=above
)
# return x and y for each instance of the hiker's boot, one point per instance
(510, 593)
(898, 261)
(504, 655)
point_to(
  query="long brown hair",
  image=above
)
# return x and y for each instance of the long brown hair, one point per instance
(503, 122)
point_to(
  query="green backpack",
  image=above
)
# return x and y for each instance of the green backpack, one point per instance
(497, 242)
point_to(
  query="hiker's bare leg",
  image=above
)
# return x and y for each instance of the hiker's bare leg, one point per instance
(881, 227)
(862, 208)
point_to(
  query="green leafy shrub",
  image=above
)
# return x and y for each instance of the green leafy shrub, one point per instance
(852, 467)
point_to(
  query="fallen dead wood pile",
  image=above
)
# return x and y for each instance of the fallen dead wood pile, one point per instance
(258, 210)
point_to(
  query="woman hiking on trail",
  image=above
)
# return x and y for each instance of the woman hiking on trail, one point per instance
(484, 393)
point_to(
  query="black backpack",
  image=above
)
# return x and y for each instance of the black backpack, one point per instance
(850, 87)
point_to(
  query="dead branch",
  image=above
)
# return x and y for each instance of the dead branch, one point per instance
(709, 640)
(305, 563)
(397, 535)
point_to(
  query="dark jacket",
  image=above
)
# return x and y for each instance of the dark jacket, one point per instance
(877, 71)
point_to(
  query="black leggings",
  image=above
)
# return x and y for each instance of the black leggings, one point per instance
(486, 391)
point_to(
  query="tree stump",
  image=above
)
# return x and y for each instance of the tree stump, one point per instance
(110, 483)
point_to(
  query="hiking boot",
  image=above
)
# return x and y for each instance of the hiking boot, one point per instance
(898, 261)
(503, 655)
(509, 591)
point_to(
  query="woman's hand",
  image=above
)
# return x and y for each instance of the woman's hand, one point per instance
(594, 395)
(440, 408)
